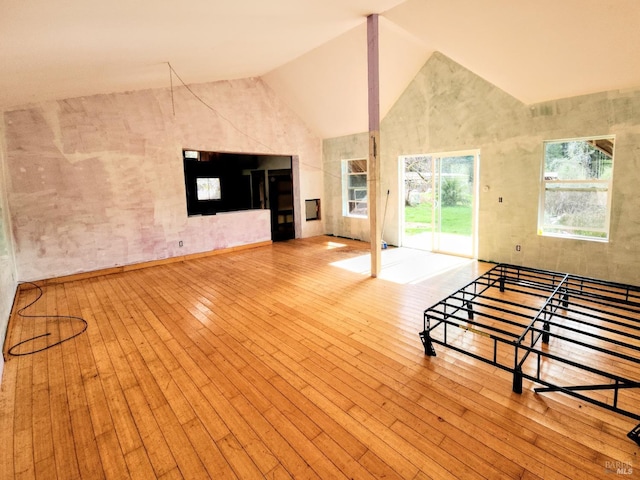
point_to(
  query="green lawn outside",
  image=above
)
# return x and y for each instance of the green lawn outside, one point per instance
(421, 213)
(456, 219)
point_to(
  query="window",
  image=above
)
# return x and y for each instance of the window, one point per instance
(208, 188)
(312, 209)
(576, 188)
(354, 188)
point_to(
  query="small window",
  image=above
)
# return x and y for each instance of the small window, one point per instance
(312, 209)
(208, 188)
(354, 188)
(576, 188)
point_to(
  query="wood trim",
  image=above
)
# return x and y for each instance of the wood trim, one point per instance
(12, 314)
(137, 266)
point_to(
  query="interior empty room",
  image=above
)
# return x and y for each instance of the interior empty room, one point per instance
(364, 239)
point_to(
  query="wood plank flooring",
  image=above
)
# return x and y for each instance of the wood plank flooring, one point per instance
(274, 363)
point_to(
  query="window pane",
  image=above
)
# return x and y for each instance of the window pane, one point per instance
(579, 159)
(214, 188)
(357, 181)
(357, 194)
(208, 188)
(566, 231)
(358, 208)
(357, 166)
(584, 206)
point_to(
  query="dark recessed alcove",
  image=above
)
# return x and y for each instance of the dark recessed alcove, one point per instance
(225, 174)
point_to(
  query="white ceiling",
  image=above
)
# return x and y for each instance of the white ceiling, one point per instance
(313, 52)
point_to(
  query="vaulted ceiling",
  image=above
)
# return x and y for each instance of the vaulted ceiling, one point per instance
(313, 52)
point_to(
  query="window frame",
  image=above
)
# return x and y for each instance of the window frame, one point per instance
(346, 189)
(603, 185)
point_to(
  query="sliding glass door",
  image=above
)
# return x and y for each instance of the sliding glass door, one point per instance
(439, 202)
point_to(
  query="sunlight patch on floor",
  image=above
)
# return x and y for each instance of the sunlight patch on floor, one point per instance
(404, 265)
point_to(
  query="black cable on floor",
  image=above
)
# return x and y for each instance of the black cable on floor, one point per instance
(20, 313)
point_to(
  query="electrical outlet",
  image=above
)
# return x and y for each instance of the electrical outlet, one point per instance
(499, 199)
(180, 243)
(518, 248)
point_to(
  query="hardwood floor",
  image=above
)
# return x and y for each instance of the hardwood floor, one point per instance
(274, 363)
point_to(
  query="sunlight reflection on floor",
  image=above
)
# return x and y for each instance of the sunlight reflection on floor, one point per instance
(332, 245)
(404, 265)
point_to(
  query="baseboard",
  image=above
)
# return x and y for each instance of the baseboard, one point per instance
(7, 341)
(138, 266)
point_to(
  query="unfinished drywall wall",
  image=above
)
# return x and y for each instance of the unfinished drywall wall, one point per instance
(98, 181)
(8, 282)
(334, 151)
(448, 108)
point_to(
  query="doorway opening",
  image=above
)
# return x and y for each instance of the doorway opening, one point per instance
(272, 188)
(438, 208)
(281, 204)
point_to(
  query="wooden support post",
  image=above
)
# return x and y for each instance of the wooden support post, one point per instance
(373, 174)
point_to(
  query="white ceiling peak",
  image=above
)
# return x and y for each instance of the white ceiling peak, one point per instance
(313, 53)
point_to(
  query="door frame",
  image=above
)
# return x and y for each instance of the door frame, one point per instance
(474, 197)
(281, 230)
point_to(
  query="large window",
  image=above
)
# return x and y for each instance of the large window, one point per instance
(354, 188)
(576, 188)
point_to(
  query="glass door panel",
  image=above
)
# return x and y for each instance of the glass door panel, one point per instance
(454, 205)
(417, 225)
(439, 202)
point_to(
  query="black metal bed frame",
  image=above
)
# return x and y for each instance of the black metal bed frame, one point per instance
(548, 321)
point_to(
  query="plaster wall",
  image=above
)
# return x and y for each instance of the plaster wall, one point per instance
(96, 182)
(8, 282)
(334, 151)
(447, 108)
